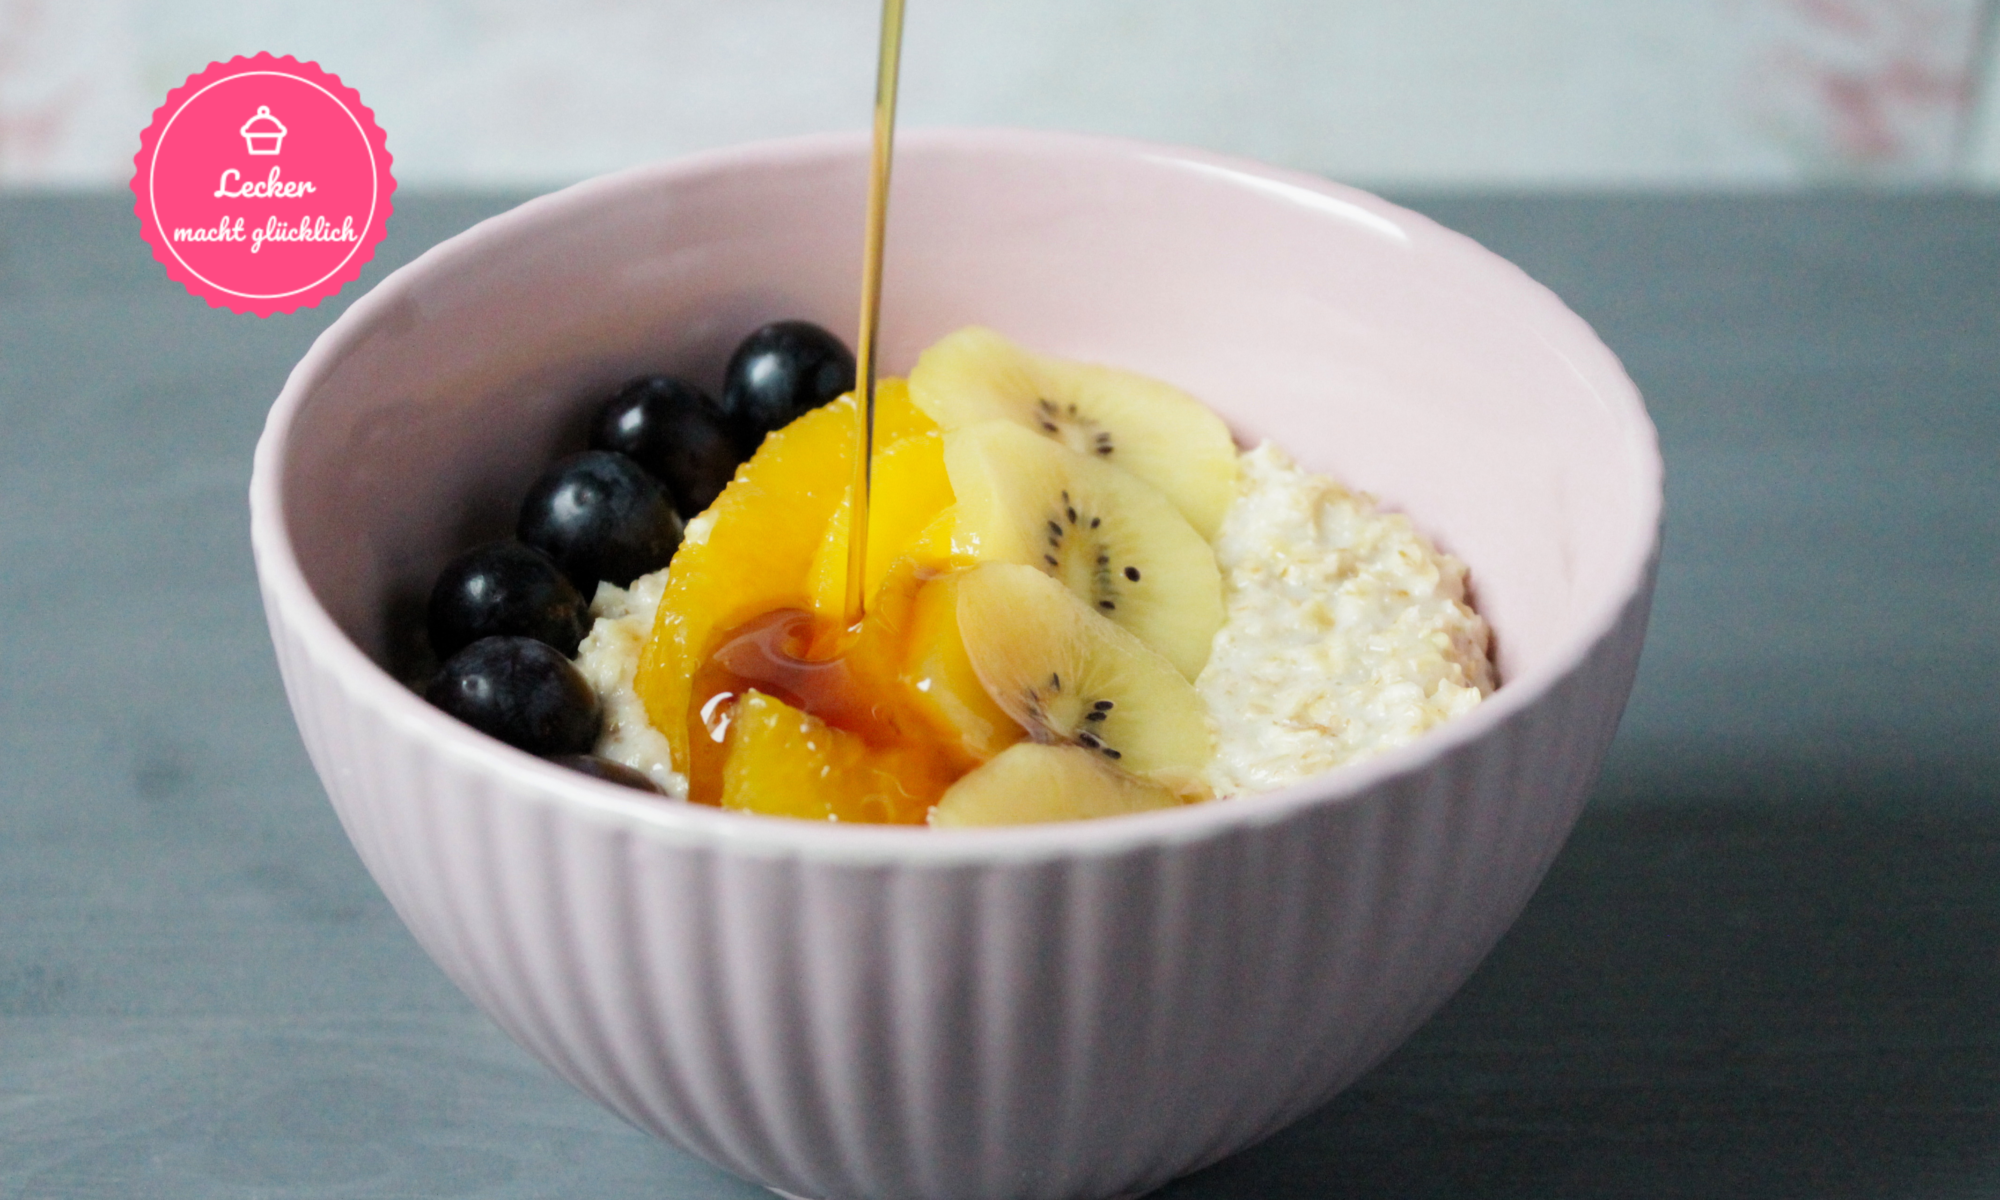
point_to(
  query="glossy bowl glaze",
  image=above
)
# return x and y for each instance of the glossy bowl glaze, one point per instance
(1062, 1011)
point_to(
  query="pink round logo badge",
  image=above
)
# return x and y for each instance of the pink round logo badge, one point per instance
(263, 184)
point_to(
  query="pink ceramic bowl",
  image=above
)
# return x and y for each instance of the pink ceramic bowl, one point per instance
(1062, 1011)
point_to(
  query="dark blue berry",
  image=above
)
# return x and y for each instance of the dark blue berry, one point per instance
(505, 588)
(600, 516)
(675, 430)
(520, 691)
(778, 374)
(607, 770)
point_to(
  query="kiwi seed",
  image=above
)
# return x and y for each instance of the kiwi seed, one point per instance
(1100, 440)
(1038, 710)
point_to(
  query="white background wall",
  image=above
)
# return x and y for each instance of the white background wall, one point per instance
(1379, 92)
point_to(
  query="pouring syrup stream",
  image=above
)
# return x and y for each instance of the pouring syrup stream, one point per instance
(788, 654)
(887, 67)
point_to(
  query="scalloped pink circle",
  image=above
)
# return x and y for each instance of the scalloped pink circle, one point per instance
(263, 184)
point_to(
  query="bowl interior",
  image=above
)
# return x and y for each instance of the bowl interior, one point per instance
(1365, 340)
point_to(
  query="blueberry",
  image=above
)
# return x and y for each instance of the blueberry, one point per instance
(779, 373)
(505, 588)
(521, 691)
(673, 429)
(601, 517)
(607, 770)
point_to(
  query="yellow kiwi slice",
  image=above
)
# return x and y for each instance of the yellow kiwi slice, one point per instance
(1112, 539)
(1070, 677)
(1031, 782)
(1157, 432)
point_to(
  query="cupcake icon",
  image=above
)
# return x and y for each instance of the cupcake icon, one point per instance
(263, 133)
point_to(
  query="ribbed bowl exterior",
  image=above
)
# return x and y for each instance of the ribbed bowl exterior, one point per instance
(1060, 1011)
(1079, 1026)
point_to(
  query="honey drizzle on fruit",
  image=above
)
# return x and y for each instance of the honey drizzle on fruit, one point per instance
(857, 681)
(888, 66)
(772, 654)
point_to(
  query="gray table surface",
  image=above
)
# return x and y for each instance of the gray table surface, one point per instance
(1767, 964)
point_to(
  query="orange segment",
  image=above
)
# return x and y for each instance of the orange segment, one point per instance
(939, 681)
(935, 543)
(787, 763)
(896, 415)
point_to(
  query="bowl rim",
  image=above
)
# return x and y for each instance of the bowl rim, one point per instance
(292, 603)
